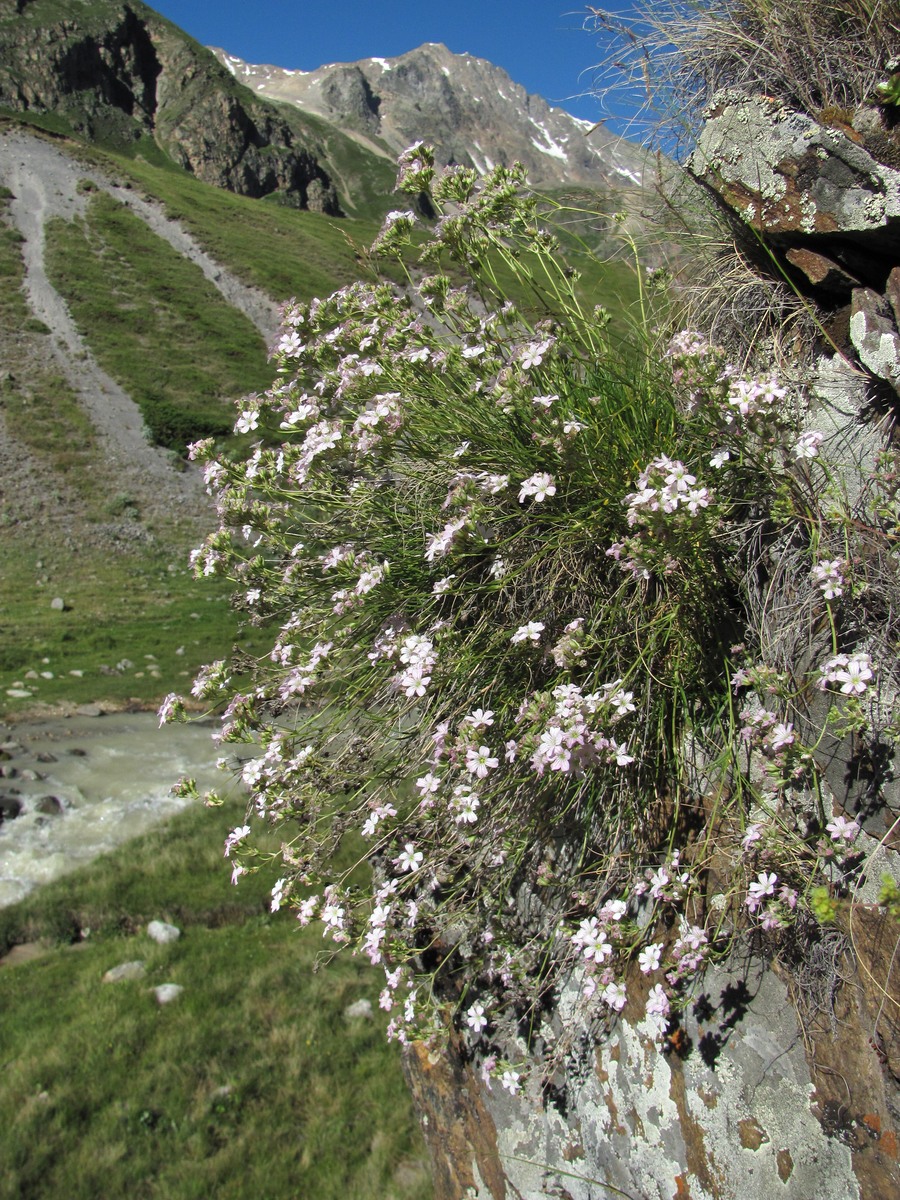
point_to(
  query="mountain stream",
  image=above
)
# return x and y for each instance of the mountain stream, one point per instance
(84, 785)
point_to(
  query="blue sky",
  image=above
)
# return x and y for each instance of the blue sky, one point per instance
(540, 43)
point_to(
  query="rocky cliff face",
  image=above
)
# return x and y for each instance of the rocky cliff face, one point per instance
(470, 110)
(782, 1079)
(116, 72)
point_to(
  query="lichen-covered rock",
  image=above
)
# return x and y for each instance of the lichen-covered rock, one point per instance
(875, 336)
(773, 1087)
(824, 206)
(785, 173)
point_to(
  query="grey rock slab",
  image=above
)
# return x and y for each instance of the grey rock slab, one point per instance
(875, 336)
(125, 971)
(786, 173)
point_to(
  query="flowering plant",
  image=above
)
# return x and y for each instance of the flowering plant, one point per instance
(502, 560)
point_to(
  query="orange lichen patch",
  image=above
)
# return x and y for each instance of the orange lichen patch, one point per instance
(751, 1133)
(887, 1144)
(574, 1150)
(785, 1165)
(700, 1161)
(682, 1190)
(457, 1126)
(710, 1099)
(872, 1122)
(614, 1113)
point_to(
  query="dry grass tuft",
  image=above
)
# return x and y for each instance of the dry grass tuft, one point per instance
(817, 57)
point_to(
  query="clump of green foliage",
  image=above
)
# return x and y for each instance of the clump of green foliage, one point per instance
(506, 562)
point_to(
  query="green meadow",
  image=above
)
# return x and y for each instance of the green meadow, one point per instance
(255, 1081)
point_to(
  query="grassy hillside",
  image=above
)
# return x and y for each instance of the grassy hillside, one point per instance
(155, 323)
(35, 397)
(282, 251)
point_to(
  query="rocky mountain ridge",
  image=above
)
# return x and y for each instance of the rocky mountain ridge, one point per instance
(117, 73)
(471, 110)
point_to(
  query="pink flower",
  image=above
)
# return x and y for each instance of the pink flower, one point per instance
(841, 829)
(480, 761)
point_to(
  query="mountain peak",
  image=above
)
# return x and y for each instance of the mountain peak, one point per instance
(468, 108)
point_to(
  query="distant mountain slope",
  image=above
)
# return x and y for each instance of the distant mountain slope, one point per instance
(468, 108)
(116, 73)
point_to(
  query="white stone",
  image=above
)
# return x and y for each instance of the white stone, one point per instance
(162, 932)
(165, 993)
(359, 1010)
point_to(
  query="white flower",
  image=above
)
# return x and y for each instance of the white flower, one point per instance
(511, 1081)
(614, 995)
(530, 632)
(533, 354)
(428, 783)
(781, 736)
(658, 1001)
(236, 835)
(277, 895)
(540, 486)
(409, 858)
(476, 1018)
(840, 829)
(854, 679)
(763, 885)
(807, 445)
(649, 958)
(248, 420)
(829, 576)
(479, 718)
(591, 941)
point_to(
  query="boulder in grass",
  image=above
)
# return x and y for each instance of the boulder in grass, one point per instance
(162, 932)
(125, 971)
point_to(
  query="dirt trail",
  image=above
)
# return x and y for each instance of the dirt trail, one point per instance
(43, 180)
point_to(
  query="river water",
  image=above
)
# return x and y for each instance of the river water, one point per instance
(109, 780)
